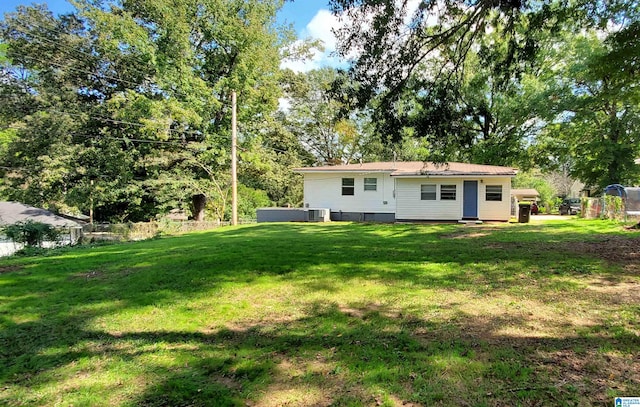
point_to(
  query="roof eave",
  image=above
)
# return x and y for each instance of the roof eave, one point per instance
(321, 170)
(452, 175)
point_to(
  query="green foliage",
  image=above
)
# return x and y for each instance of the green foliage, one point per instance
(316, 116)
(31, 233)
(535, 181)
(267, 160)
(447, 73)
(473, 118)
(32, 251)
(6, 137)
(249, 200)
(3, 52)
(555, 203)
(125, 111)
(595, 113)
(509, 83)
(613, 208)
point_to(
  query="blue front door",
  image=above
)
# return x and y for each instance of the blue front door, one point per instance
(470, 200)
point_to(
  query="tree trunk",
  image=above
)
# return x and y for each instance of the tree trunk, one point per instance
(199, 202)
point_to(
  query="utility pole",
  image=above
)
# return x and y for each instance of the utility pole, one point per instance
(234, 162)
(91, 203)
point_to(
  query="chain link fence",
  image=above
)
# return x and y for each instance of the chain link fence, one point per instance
(146, 230)
(114, 232)
(608, 207)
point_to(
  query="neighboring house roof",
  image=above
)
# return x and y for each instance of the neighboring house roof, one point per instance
(14, 212)
(177, 215)
(416, 168)
(524, 192)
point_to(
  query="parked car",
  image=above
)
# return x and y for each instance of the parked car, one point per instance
(570, 206)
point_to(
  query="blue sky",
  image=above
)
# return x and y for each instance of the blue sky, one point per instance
(299, 12)
(311, 19)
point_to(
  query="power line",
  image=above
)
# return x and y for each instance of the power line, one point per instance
(116, 121)
(67, 52)
(104, 119)
(26, 31)
(133, 139)
(59, 31)
(99, 76)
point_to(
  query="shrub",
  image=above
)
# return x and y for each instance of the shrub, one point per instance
(31, 233)
(613, 207)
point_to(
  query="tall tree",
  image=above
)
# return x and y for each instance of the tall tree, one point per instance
(144, 88)
(269, 154)
(203, 51)
(316, 116)
(52, 84)
(594, 118)
(418, 51)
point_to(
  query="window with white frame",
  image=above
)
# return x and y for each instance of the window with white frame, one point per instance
(371, 184)
(448, 192)
(428, 192)
(494, 193)
(348, 186)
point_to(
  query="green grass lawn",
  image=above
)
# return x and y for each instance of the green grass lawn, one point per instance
(329, 314)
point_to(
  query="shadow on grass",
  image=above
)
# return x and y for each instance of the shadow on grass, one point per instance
(364, 357)
(332, 355)
(358, 356)
(165, 270)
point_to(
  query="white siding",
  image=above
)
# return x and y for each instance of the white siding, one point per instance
(495, 210)
(324, 190)
(409, 206)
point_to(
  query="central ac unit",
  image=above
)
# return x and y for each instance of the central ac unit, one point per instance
(316, 215)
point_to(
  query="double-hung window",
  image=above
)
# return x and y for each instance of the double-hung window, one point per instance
(447, 192)
(428, 192)
(371, 184)
(494, 193)
(348, 186)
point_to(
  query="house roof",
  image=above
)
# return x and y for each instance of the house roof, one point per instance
(14, 212)
(416, 168)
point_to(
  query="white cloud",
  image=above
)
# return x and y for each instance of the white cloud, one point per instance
(412, 7)
(320, 28)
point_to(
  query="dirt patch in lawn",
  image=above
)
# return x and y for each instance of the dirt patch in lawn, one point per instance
(475, 231)
(620, 250)
(614, 249)
(9, 269)
(591, 373)
(291, 385)
(616, 292)
(89, 275)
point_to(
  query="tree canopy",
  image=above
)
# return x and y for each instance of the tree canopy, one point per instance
(122, 108)
(126, 107)
(501, 82)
